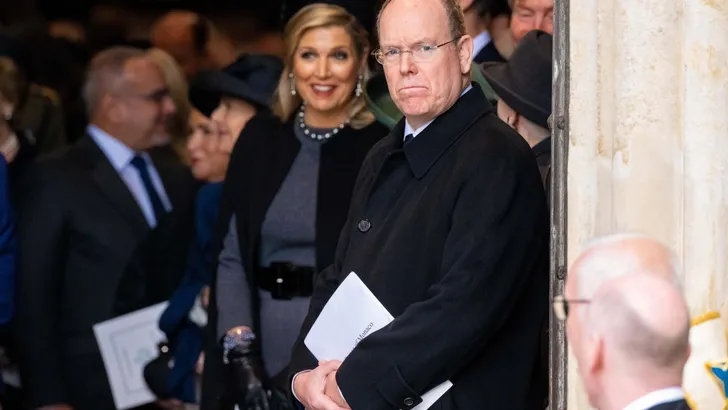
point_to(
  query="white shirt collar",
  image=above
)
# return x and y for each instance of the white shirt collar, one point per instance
(479, 42)
(119, 155)
(651, 400)
(408, 128)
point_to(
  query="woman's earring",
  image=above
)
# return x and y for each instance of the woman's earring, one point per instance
(358, 86)
(293, 83)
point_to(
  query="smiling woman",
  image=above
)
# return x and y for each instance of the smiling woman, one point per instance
(325, 70)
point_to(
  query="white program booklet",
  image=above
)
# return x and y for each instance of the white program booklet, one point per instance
(351, 314)
(127, 344)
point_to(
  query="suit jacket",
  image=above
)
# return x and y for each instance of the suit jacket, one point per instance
(79, 228)
(450, 233)
(259, 164)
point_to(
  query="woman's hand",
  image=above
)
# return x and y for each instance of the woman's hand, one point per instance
(205, 297)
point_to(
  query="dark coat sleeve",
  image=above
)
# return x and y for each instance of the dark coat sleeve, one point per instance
(42, 236)
(7, 248)
(498, 222)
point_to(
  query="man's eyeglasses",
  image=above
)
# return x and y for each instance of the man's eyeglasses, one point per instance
(561, 306)
(420, 53)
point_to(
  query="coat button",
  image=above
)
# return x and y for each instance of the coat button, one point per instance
(409, 402)
(364, 225)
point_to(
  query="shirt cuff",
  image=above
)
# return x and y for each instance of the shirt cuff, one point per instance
(342, 395)
(293, 381)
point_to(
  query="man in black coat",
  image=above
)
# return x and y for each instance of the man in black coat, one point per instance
(86, 210)
(448, 228)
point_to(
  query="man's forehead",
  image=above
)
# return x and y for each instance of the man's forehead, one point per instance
(413, 21)
(534, 4)
(142, 72)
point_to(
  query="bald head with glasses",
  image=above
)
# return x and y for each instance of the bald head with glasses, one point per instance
(627, 323)
(426, 56)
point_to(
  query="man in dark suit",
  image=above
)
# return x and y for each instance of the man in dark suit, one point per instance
(448, 228)
(85, 212)
(476, 13)
(627, 323)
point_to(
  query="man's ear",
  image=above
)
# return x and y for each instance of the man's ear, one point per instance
(465, 53)
(114, 109)
(595, 355)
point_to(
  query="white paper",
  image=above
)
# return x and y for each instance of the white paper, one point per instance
(127, 344)
(351, 314)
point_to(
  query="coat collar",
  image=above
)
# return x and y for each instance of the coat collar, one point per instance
(424, 151)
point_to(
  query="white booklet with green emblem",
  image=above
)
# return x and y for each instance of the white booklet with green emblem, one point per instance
(351, 314)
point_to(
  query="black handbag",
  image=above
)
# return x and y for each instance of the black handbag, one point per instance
(156, 372)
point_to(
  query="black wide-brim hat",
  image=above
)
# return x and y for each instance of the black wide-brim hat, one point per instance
(252, 78)
(524, 82)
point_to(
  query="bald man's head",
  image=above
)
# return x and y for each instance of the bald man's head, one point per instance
(611, 256)
(184, 35)
(646, 319)
(607, 259)
(636, 331)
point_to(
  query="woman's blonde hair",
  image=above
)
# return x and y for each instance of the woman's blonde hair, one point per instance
(175, 80)
(312, 17)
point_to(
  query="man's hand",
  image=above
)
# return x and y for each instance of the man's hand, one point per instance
(56, 407)
(332, 390)
(309, 387)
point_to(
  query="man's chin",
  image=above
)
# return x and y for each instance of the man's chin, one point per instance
(413, 108)
(159, 140)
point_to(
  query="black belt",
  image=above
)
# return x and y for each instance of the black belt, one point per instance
(286, 280)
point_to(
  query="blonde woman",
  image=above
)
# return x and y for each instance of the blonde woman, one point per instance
(290, 180)
(178, 126)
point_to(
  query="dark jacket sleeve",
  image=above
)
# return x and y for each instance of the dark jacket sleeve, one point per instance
(42, 237)
(498, 225)
(326, 283)
(7, 248)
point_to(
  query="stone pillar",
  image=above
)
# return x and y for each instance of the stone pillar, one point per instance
(648, 136)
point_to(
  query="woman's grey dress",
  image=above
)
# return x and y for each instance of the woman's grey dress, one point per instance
(288, 234)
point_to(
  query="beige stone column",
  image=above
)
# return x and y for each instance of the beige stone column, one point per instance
(648, 136)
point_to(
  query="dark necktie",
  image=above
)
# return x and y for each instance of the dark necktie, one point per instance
(141, 166)
(408, 138)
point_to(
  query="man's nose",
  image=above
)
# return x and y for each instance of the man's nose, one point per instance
(168, 105)
(539, 23)
(406, 64)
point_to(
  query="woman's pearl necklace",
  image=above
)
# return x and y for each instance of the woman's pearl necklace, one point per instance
(313, 135)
